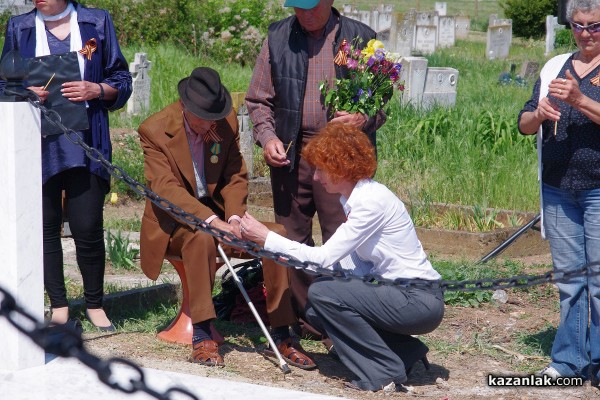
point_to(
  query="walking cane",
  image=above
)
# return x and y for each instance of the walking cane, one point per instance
(282, 364)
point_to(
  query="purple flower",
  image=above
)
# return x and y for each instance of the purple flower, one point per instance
(371, 61)
(352, 63)
(379, 55)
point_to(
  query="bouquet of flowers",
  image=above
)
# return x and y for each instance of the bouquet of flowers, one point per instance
(372, 77)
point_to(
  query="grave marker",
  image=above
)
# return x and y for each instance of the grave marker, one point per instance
(140, 97)
(441, 7)
(446, 32)
(463, 25)
(402, 33)
(529, 70)
(425, 39)
(499, 39)
(552, 26)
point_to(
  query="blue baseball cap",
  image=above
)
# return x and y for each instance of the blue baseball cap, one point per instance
(305, 4)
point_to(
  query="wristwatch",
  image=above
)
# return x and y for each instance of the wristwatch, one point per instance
(101, 95)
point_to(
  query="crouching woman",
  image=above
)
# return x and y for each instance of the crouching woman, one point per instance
(371, 325)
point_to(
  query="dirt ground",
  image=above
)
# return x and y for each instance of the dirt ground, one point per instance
(470, 344)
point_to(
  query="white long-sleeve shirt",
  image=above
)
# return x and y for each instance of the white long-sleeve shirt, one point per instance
(378, 228)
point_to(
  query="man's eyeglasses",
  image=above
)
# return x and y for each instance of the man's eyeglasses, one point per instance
(591, 28)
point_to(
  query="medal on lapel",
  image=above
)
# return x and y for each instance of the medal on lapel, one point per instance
(215, 149)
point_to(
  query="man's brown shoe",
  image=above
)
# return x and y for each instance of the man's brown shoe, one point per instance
(207, 353)
(293, 354)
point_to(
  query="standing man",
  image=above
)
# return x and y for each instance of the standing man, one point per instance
(287, 111)
(192, 158)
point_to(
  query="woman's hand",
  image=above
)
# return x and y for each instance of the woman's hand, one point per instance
(253, 230)
(566, 89)
(80, 90)
(39, 90)
(547, 109)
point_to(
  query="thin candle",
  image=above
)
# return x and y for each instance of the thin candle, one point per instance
(49, 80)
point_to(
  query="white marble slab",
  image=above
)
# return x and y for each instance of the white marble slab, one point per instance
(68, 379)
(21, 273)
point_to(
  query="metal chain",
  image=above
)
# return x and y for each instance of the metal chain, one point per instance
(256, 250)
(65, 342)
(284, 259)
(70, 343)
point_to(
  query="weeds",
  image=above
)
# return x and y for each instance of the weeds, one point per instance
(120, 251)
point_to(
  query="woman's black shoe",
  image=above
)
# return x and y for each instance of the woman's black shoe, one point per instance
(425, 362)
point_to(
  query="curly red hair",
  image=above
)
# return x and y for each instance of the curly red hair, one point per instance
(343, 151)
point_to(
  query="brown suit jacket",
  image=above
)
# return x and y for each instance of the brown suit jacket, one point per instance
(169, 172)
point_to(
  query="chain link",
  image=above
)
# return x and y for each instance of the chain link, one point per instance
(65, 342)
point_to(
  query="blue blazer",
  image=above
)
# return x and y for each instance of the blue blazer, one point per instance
(108, 65)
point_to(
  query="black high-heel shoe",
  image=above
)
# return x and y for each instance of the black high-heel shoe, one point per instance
(110, 328)
(425, 362)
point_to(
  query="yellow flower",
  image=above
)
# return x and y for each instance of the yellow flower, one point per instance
(372, 45)
(114, 198)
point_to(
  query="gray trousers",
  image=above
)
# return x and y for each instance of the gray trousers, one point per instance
(371, 326)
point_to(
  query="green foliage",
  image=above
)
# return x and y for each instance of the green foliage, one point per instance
(133, 224)
(529, 17)
(226, 31)
(564, 38)
(459, 271)
(128, 154)
(485, 219)
(4, 16)
(120, 251)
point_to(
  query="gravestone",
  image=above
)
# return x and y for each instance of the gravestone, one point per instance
(499, 39)
(446, 31)
(552, 26)
(140, 97)
(426, 36)
(413, 74)
(365, 17)
(441, 8)
(529, 70)
(440, 87)
(402, 33)
(425, 39)
(462, 27)
(427, 18)
(244, 129)
(384, 20)
(384, 37)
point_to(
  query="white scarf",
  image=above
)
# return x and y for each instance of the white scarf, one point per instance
(549, 72)
(41, 39)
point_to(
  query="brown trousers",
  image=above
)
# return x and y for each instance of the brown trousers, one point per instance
(296, 199)
(198, 251)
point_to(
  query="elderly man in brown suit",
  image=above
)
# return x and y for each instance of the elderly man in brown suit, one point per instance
(192, 158)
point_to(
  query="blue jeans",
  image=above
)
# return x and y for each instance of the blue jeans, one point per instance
(572, 223)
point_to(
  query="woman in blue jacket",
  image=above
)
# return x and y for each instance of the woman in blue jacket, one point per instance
(58, 27)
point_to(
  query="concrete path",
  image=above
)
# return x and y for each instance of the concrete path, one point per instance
(69, 379)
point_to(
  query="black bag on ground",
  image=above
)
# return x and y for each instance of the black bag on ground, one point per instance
(251, 276)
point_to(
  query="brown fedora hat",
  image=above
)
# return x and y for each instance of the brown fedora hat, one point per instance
(203, 94)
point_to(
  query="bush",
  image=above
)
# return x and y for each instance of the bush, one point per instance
(564, 38)
(529, 17)
(226, 31)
